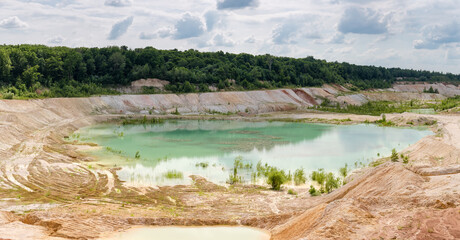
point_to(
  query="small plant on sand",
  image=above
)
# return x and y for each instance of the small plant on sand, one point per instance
(109, 149)
(276, 178)
(344, 171)
(299, 177)
(332, 182)
(292, 192)
(237, 164)
(176, 112)
(137, 155)
(319, 177)
(327, 181)
(384, 122)
(394, 155)
(173, 174)
(405, 158)
(313, 191)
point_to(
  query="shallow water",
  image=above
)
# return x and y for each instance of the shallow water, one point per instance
(183, 144)
(191, 233)
(423, 111)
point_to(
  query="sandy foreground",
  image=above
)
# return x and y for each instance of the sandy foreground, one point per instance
(47, 190)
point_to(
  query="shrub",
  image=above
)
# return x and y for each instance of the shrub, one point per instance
(148, 90)
(394, 155)
(234, 178)
(299, 176)
(144, 120)
(292, 192)
(173, 174)
(313, 191)
(384, 122)
(319, 176)
(202, 164)
(331, 182)
(237, 164)
(405, 158)
(276, 178)
(344, 171)
(176, 112)
(327, 181)
(8, 95)
(138, 155)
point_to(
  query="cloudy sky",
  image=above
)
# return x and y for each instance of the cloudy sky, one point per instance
(418, 34)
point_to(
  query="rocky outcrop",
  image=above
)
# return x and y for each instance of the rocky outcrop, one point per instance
(445, 89)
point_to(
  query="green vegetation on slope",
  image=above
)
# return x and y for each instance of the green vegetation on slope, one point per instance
(377, 108)
(30, 71)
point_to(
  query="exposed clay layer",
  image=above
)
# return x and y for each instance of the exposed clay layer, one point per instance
(386, 201)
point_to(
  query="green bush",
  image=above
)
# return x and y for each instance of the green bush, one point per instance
(237, 164)
(405, 158)
(299, 176)
(344, 171)
(394, 155)
(313, 191)
(173, 174)
(202, 164)
(327, 181)
(292, 192)
(144, 120)
(148, 90)
(8, 95)
(137, 155)
(319, 176)
(276, 178)
(331, 182)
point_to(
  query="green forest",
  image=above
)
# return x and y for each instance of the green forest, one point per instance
(34, 71)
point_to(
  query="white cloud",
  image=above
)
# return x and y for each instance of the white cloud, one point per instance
(120, 28)
(436, 35)
(286, 33)
(453, 53)
(161, 33)
(296, 28)
(250, 39)
(213, 18)
(236, 4)
(56, 40)
(362, 21)
(222, 40)
(302, 28)
(118, 3)
(13, 22)
(338, 38)
(188, 27)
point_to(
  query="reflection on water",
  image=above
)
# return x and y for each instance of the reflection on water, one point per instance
(184, 145)
(191, 233)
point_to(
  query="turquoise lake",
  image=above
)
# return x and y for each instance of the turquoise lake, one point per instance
(186, 145)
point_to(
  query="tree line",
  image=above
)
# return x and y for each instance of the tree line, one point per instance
(41, 71)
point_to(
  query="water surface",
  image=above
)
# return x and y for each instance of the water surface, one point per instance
(208, 148)
(191, 233)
